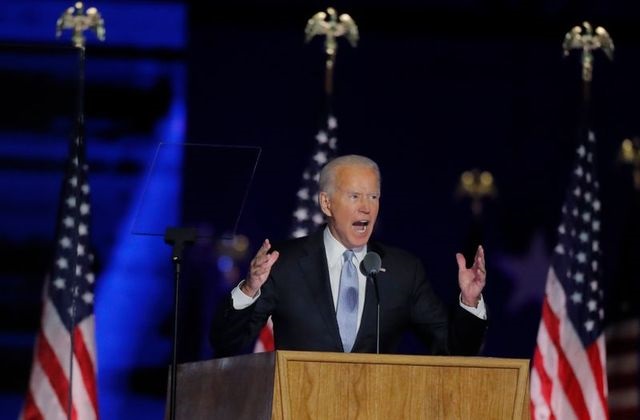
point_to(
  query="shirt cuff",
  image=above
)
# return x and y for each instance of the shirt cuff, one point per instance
(480, 311)
(242, 301)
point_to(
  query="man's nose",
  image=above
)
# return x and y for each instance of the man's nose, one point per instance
(364, 206)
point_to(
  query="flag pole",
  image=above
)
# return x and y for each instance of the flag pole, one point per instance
(76, 19)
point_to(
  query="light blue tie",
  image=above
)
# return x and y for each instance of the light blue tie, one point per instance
(347, 310)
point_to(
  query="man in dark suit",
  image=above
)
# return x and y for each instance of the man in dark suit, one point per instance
(319, 301)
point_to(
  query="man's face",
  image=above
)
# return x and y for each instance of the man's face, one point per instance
(352, 206)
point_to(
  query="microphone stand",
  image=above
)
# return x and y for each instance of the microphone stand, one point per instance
(374, 280)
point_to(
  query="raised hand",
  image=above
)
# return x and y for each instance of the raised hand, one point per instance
(259, 269)
(471, 280)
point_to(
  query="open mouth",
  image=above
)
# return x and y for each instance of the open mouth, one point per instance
(361, 226)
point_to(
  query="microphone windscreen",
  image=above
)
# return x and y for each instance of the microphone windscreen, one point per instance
(371, 264)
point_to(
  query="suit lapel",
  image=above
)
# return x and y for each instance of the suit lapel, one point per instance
(368, 320)
(316, 272)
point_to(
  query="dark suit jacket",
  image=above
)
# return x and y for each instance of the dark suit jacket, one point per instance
(298, 297)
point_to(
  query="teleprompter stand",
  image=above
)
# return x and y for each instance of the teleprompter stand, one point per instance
(209, 184)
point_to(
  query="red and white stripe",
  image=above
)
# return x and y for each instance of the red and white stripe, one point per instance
(623, 369)
(48, 395)
(265, 339)
(568, 381)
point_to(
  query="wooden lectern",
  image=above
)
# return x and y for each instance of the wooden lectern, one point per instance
(295, 385)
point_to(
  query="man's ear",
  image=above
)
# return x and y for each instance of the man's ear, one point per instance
(325, 203)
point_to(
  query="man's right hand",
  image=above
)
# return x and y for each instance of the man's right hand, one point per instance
(259, 269)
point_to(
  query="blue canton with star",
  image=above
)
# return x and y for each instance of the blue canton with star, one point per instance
(576, 259)
(307, 215)
(71, 284)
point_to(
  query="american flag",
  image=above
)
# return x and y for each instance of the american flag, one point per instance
(568, 379)
(63, 373)
(307, 216)
(623, 314)
(623, 368)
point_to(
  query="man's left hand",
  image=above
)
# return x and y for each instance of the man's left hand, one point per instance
(471, 280)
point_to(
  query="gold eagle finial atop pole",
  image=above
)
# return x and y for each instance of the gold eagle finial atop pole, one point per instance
(630, 155)
(477, 185)
(331, 26)
(76, 19)
(583, 38)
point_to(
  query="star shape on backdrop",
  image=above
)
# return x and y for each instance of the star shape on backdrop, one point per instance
(527, 272)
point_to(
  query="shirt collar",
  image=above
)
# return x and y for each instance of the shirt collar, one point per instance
(335, 249)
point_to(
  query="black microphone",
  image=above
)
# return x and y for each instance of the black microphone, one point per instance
(371, 264)
(370, 267)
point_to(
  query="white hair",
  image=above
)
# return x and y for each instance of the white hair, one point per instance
(327, 180)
